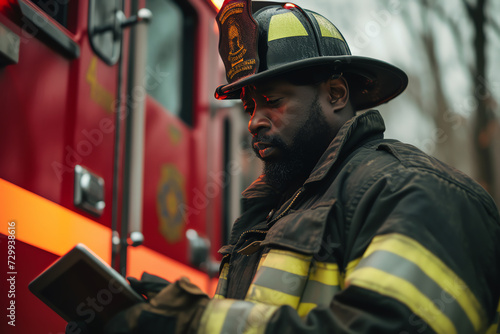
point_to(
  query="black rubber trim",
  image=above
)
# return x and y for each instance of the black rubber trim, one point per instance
(67, 45)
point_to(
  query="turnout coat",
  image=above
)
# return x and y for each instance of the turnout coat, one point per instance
(381, 238)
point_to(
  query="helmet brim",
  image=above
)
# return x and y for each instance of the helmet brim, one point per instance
(371, 81)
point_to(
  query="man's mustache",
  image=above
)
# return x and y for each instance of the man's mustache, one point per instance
(271, 140)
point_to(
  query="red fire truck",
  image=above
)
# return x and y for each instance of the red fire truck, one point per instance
(111, 137)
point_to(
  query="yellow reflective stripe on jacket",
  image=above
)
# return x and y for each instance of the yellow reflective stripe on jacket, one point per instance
(399, 267)
(262, 294)
(348, 270)
(262, 259)
(289, 278)
(351, 266)
(291, 262)
(280, 279)
(235, 316)
(221, 290)
(321, 286)
(495, 327)
(402, 290)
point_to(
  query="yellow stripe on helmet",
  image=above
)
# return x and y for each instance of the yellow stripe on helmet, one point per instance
(327, 28)
(285, 25)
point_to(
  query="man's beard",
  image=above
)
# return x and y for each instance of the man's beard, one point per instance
(297, 160)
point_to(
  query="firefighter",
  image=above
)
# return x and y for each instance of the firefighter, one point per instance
(345, 231)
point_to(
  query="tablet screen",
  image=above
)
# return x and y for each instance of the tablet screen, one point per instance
(81, 288)
(86, 297)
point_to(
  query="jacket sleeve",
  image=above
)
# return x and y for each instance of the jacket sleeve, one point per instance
(435, 250)
(422, 256)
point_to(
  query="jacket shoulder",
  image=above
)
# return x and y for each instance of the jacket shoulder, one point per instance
(397, 162)
(414, 159)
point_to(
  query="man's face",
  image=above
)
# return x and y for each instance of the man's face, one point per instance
(290, 128)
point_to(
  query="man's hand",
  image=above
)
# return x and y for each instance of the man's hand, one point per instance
(175, 309)
(149, 285)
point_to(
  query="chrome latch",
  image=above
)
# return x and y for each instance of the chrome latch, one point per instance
(199, 253)
(89, 191)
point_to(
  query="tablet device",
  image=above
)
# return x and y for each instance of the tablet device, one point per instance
(81, 287)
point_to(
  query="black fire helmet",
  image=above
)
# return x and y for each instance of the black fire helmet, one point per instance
(276, 39)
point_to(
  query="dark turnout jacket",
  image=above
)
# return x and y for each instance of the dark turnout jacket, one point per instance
(381, 238)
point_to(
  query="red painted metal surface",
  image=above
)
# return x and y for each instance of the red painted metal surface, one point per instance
(50, 122)
(57, 112)
(31, 314)
(184, 151)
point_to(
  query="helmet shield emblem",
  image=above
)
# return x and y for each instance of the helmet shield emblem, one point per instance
(238, 39)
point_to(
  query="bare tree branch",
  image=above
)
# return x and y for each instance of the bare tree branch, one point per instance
(493, 24)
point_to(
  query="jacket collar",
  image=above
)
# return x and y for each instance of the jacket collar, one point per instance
(354, 133)
(257, 201)
(259, 198)
(301, 231)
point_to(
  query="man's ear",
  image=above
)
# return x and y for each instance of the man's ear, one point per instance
(338, 91)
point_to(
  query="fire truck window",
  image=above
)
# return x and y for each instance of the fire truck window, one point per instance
(169, 68)
(58, 10)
